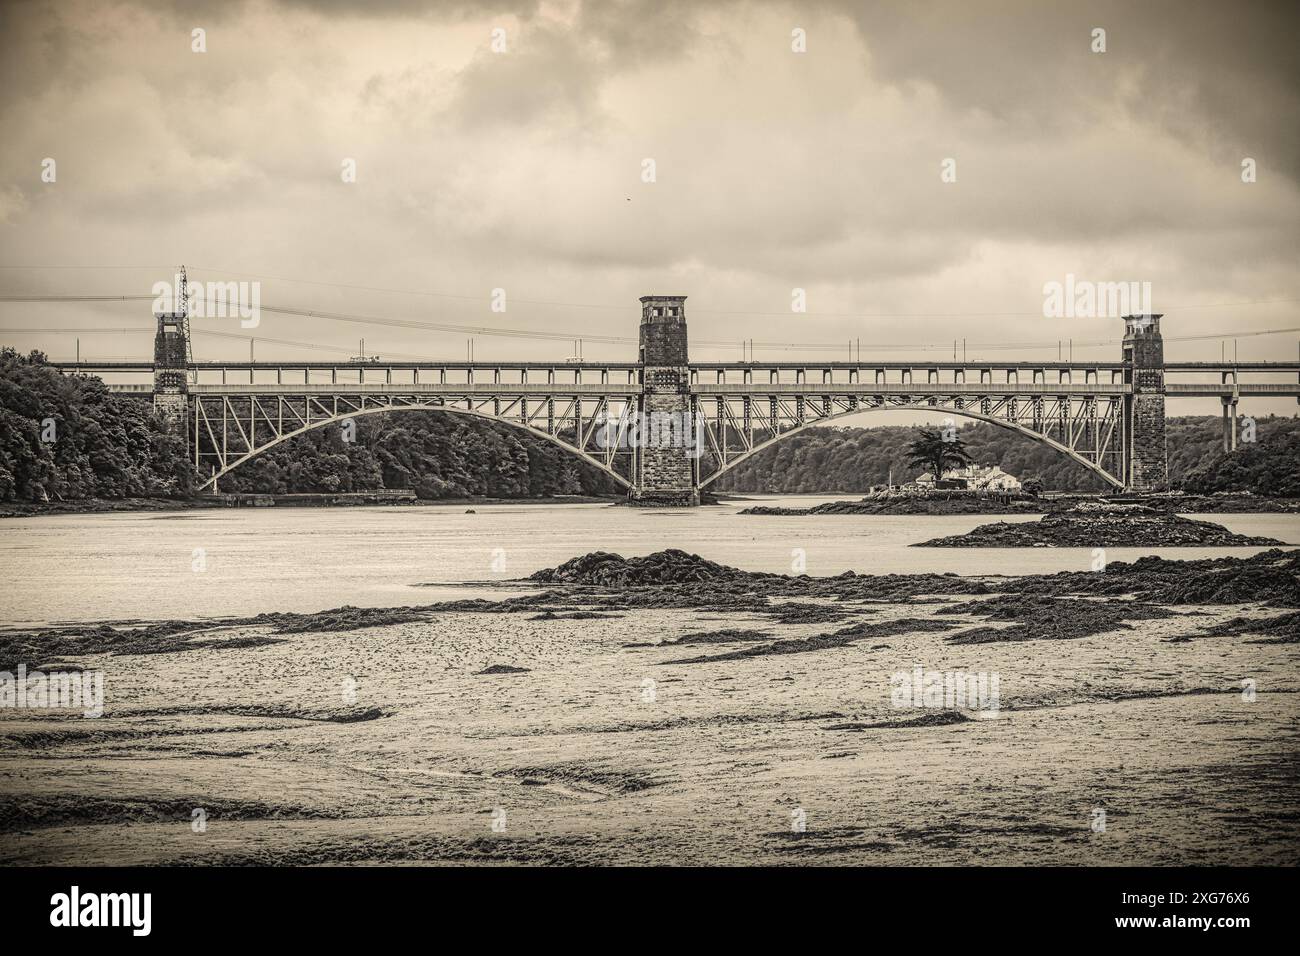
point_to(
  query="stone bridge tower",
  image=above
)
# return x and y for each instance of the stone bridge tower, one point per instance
(665, 469)
(171, 358)
(1146, 456)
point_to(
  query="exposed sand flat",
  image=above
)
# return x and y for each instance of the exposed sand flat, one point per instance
(710, 763)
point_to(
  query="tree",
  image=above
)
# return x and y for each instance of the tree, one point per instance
(935, 452)
(435, 454)
(1032, 486)
(1270, 468)
(69, 437)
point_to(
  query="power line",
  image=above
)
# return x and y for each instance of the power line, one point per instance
(622, 307)
(77, 298)
(694, 310)
(491, 331)
(73, 330)
(315, 346)
(445, 327)
(362, 319)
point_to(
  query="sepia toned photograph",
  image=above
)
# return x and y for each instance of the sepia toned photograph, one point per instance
(746, 434)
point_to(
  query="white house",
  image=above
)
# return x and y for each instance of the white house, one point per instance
(975, 478)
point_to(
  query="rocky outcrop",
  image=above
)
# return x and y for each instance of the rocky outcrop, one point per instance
(1097, 525)
(662, 567)
(956, 503)
(967, 503)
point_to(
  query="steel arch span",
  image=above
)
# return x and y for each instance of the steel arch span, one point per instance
(1076, 428)
(240, 428)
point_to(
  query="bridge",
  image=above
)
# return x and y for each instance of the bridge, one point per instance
(664, 427)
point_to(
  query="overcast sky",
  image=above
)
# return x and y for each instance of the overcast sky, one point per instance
(775, 170)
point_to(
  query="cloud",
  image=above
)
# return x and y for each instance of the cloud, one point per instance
(774, 169)
(1218, 76)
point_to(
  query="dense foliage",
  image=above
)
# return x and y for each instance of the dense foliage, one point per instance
(854, 459)
(436, 454)
(1268, 467)
(67, 436)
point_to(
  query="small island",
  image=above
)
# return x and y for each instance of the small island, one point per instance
(1102, 524)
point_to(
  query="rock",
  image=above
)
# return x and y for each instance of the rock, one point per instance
(662, 567)
(503, 669)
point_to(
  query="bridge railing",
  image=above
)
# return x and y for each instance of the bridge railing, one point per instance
(910, 388)
(422, 388)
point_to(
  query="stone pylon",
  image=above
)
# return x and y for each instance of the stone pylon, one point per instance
(666, 465)
(171, 356)
(1146, 456)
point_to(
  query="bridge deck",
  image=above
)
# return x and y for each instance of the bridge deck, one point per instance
(782, 390)
(1292, 367)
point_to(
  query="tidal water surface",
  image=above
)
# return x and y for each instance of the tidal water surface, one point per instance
(204, 563)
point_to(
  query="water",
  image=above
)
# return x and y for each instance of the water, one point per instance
(141, 565)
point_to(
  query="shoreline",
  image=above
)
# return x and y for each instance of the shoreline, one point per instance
(14, 509)
(965, 504)
(901, 505)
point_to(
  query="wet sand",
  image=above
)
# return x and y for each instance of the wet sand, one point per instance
(614, 745)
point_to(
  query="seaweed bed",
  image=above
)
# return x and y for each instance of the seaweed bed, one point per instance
(941, 718)
(1278, 629)
(59, 810)
(819, 642)
(1270, 578)
(1036, 617)
(600, 584)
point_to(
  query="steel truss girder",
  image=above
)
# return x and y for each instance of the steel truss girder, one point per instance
(230, 429)
(1087, 428)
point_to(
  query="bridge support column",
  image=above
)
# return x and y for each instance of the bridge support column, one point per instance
(171, 357)
(665, 469)
(1229, 425)
(1146, 456)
